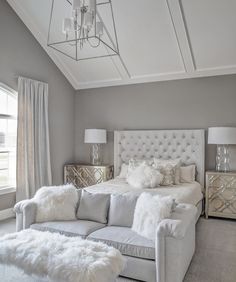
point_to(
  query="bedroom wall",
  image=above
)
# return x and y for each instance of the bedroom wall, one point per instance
(21, 54)
(181, 104)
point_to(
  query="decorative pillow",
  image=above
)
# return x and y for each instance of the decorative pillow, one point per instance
(169, 169)
(149, 212)
(93, 207)
(134, 163)
(187, 174)
(121, 212)
(123, 171)
(144, 176)
(56, 203)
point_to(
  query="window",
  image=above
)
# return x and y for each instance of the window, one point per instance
(8, 131)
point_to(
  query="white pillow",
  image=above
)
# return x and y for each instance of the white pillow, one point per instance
(134, 163)
(170, 170)
(123, 171)
(187, 174)
(149, 212)
(144, 176)
(56, 203)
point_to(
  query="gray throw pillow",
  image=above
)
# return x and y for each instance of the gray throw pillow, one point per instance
(122, 208)
(93, 207)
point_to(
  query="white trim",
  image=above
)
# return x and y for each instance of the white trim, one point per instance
(183, 41)
(179, 26)
(7, 190)
(8, 89)
(5, 214)
(140, 80)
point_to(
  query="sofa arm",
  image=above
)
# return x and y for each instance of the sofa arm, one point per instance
(25, 214)
(175, 244)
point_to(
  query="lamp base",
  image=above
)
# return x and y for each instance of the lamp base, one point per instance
(222, 158)
(95, 154)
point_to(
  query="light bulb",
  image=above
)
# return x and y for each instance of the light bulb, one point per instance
(67, 25)
(99, 28)
(89, 19)
(92, 5)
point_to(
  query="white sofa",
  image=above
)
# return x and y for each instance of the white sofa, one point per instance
(165, 260)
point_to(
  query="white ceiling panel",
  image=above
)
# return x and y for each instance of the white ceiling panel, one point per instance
(146, 36)
(211, 26)
(96, 70)
(158, 40)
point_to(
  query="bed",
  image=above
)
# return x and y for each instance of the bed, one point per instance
(189, 145)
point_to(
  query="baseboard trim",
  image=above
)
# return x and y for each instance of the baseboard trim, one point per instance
(5, 214)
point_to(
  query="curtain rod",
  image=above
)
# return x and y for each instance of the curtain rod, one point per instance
(18, 76)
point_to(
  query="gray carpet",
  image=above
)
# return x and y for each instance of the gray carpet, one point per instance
(215, 257)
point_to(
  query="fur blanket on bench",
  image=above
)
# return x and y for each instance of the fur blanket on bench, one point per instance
(60, 258)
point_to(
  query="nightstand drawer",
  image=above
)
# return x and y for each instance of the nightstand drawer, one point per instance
(86, 175)
(221, 195)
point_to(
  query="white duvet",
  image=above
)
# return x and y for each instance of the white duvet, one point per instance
(188, 193)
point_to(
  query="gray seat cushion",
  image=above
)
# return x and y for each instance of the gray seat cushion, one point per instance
(126, 241)
(80, 228)
(121, 212)
(93, 206)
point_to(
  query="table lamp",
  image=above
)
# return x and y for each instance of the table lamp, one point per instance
(222, 137)
(95, 137)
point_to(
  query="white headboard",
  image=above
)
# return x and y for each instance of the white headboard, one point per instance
(189, 145)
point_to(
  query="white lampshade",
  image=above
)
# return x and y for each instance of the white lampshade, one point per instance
(95, 136)
(76, 4)
(67, 25)
(222, 135)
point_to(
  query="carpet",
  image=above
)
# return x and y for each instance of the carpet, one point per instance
(215, 256)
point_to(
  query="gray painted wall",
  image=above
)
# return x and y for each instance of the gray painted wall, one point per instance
(21, 54)
(187, 104)
(192, 103)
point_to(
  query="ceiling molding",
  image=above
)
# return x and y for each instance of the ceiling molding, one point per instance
(186, 66)
(149, 79)
(17, 7)
(186, 43)
(179, 25)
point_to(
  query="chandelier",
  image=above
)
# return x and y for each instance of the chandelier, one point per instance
(83, 29)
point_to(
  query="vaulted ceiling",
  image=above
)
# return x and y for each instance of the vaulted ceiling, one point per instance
(158, 40)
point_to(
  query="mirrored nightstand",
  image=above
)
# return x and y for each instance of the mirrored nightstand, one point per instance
(82, 175)
(220, 194)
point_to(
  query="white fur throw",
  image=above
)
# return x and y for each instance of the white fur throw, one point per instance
(144, 176)
(149, 212)
(56, 203)
(60, 258)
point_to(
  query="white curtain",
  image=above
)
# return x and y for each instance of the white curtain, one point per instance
(33, 152)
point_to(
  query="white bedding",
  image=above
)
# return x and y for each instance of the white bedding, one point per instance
(189, 193)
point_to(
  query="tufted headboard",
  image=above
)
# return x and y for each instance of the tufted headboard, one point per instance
(189, 145)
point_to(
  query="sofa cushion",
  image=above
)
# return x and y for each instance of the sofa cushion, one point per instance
(126, 241)
(80, 228)
(121, 212)
(93, 207)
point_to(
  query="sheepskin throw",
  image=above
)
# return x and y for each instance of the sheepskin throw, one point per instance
(56, 203)
(149, 211)
(144, 176)
(60, 258)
